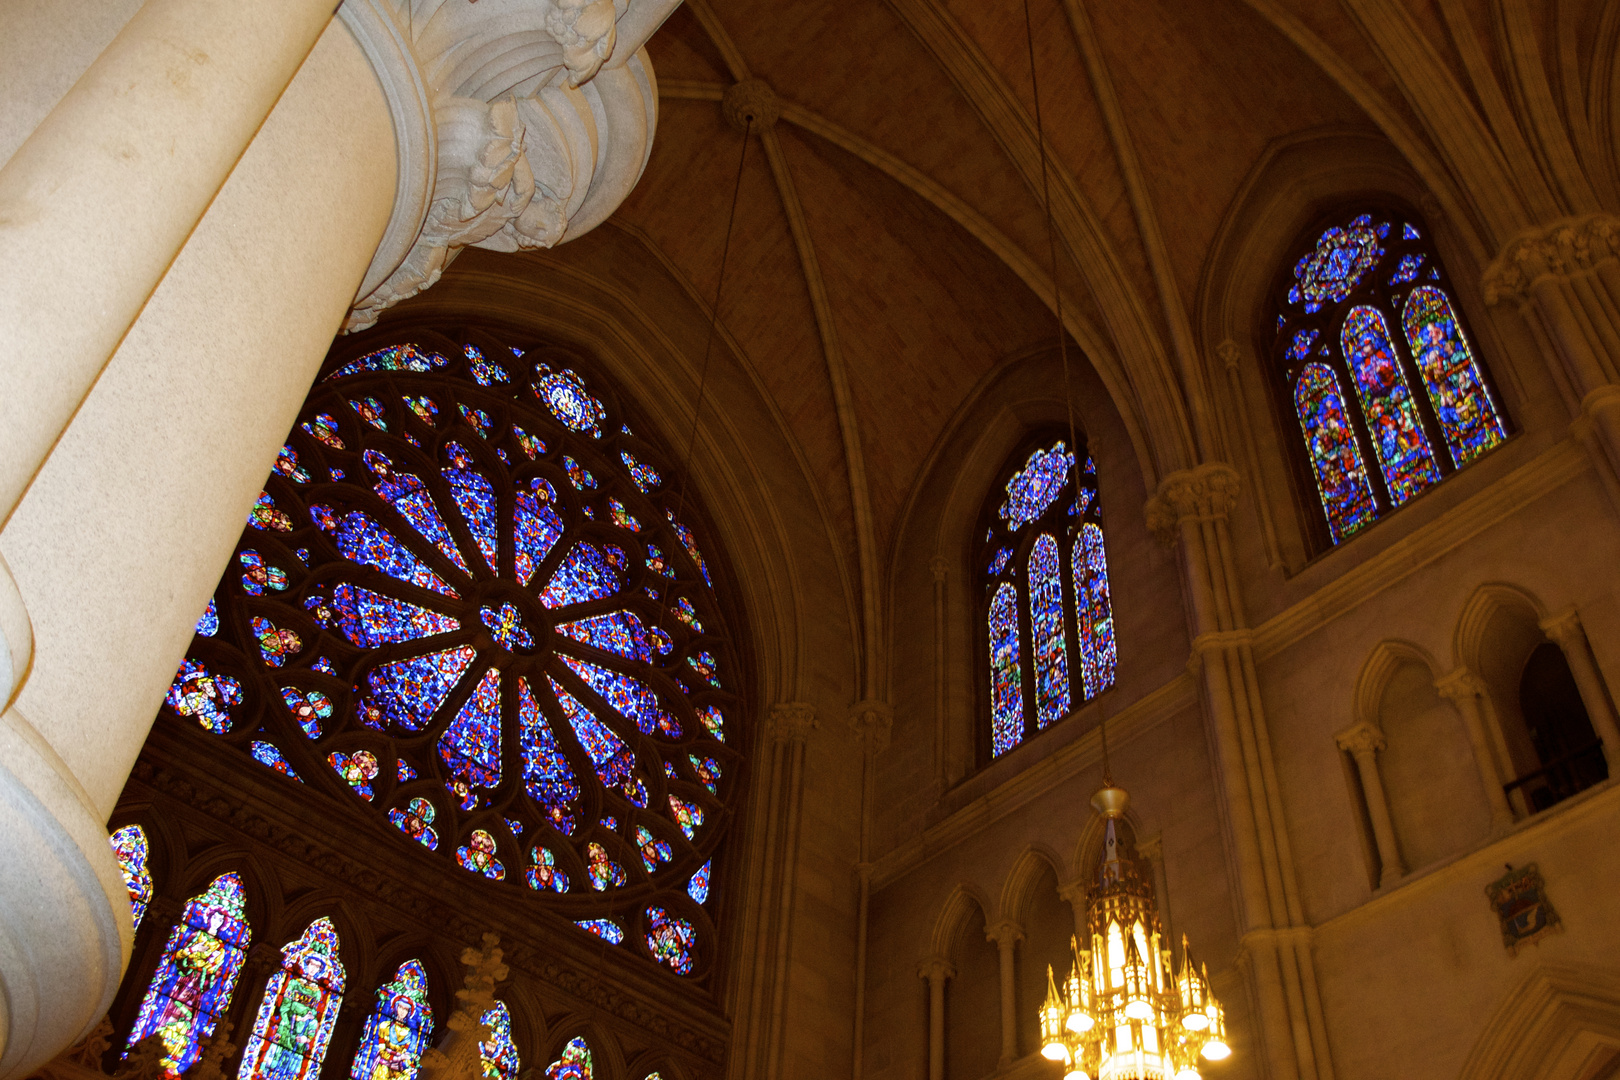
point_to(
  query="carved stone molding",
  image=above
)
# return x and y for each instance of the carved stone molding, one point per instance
(941, 568)
(872, 721)
(1559, 250)
(1207, 492)
(1459, 686)
(1361, 738)
(750, 105)
(935, 969)
(1005, 933)
(520, 125)
(793, 721)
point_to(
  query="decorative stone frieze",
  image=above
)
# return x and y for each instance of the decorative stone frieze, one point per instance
(1207, 492)
(519, 124)
(1564, 248)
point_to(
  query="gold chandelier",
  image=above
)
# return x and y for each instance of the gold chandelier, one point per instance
(1122, 1014)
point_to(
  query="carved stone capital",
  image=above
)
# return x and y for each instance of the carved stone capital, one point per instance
(941, 568)
(793, 721)
(1564, 629)
(1361, 738)
(1229, 354)
(1560, 250)
(1207, 492)
(935, 969)
(519, 126)
(750, 105)
(872, 721)
(1005, 933)
(1459, 686)
(1076, 892)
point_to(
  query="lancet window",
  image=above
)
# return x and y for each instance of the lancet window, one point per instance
(300, 1005)
(398, 1030)
(133, 853)
(473, 602)
(1378, 374)
(1047, 613)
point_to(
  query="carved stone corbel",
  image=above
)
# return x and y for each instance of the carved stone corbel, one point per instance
(793, 721)
(872, 722)
(1559, 250)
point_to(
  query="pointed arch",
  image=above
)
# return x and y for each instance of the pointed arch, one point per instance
(1475, 617)
(1018, 890)
(1386, 658)
(954, 916)
(1562, 1022)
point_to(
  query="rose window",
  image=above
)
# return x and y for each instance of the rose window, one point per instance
(472, 601)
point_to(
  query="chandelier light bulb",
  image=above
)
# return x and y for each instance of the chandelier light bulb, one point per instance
(1080, 1022)
(1216, 1050)
(1077, 1074)
(1189, 1073)
(1055, 1051)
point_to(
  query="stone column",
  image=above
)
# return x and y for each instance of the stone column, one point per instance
(936, 969)
(1006, 935)
(1363, 741)
(1464, 690)
(871, 721)
(1566, 632)
(941, 570)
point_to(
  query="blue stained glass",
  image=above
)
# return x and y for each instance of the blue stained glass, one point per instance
(708, 771)
(362, 540)
(405, 771)
(689, 816)
(196, 975)
(399, 1028)
(133, 852)
(325, 428)
(547, 775)
(478, 419)
(543, 873)
(999, 562)
(287, 465)
(653, 850)
(1451, 377)
(299, 1010)
(199, 693)
(645, 476)
(587, 573)
(565, 395)
(687, 614)
(260, 574)
(264, 515)
(714, 720)
(416, 822)
(303, 555)
(690, 544)
(409, 495)
(615, 762)
(671, 939)
(656, 562)
(506, 626)
(498, 1052)
(632, 698)
(407, 692)
(471, 745)
(578, 475)
(1099, 655)
(603, 872)
(1409, 232)
(536, 528)
(1386, 402)
(268, 754)
(1006, 673)
(707, 668)
(1303, 342)
(478, 856)
(475, 498)
(515, 825)
(1050, 652)
(1407, 270)
(323, 665)
(622, 517)
(310, 708)
(424, 408)
(393, 358)
(358, 770)
(1340, 260)
(606, 929)
(1037, 485)
(698, 887)
(484, 371)
(371, 411)
(370, 619)
(574, 1064)
(531, 446)
(618, 632)
(208, 625)
(1341, 477)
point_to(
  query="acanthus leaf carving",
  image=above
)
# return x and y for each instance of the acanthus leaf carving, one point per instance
(1559, 250)
(1206, 492)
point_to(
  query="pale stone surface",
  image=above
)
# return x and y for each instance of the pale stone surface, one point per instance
(47, 45)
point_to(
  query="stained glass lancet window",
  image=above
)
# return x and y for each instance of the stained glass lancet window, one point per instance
(398, 1029)
(130, 847)
(497, 1051)
(1374, 365)
(1048, 622)
(196, 975)
(300, 1005)
(574, 1063)
(471, 601)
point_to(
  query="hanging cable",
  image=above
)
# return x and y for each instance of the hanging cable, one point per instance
(1063, 337)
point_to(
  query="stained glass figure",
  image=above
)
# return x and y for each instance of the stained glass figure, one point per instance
(260, 575)
(1098, 655)
(208, 625)
(1046, 616)
(615, 762)
(1006, 672)
(708, 771)
(629, 696)
(416, 822)
(1457, 392)
(371, 411)
(506, 627)
(264, 515)
(574, 1064)
(393, 358)
(408, 692)
(369, 619)
(689, 816)
(477, 419)
(671, 939)
(1341, 478)
(656, 561)
(1037, 485)
(578, 475)
(606, 929)
(196, 975)
(537, 528)
(325, 428)
(1392, 419)
(547, 776)
(358, 770)
(497, 1051)
(531, 446)
(714, 721)
(269, 755)
(300, 1007)
(653, 850)
(478, 855)
(276, 644)
(698, 887)
(471, 746)
(362, 540)
(685, 612)
(1342, 257)
(565, 395)
(130, 848)
(287, 465)
(543, 873)
(424, 408)
(602, 870)
(198, 692)
(587, 573)
(645, 476)
(399, 1028)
